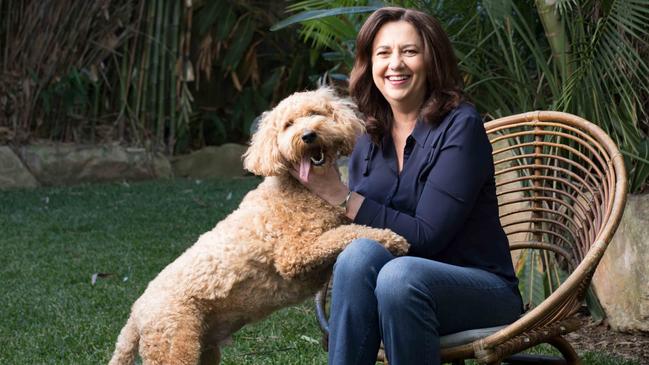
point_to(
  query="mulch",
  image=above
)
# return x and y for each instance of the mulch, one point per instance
(597, 336)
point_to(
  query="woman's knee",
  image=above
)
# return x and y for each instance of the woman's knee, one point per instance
(396, 284)
(359, 256)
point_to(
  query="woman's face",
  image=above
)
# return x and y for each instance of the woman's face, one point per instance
(398, 67)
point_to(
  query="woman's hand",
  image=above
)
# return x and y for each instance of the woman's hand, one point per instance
(325, 184)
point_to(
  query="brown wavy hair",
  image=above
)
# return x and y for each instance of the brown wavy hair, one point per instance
(444, 87)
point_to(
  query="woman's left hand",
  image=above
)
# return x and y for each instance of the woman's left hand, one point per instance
(326, 184)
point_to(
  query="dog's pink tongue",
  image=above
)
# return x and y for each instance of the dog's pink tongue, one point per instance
(305, 166)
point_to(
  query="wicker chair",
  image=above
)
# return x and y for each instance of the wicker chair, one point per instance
(562, 189)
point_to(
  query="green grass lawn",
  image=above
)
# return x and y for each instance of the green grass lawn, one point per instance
(53, 240)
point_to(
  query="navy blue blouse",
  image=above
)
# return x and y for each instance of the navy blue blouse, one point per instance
(444, 200)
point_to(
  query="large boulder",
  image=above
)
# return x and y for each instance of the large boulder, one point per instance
(622, 277)
(211, 162)
(67, 164)
(13, 173)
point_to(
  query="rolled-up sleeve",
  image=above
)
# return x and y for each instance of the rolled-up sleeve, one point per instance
(458, 173)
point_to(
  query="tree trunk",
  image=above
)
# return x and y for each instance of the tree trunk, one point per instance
(555, 33)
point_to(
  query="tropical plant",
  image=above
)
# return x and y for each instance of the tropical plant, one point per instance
(588, 62)
(79, 71)
(167, 75)
(330, 29)
(242, 68)
(49, 48)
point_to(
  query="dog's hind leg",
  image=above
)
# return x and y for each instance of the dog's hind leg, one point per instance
(127, 342)
(173, 341)
(211, 355)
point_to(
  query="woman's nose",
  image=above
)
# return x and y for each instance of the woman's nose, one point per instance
(395, 62)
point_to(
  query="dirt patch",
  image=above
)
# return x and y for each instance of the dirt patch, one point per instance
(597, 336)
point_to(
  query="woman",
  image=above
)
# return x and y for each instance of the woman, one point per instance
(424, 170)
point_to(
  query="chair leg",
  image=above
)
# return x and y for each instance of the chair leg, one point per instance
(569, 354)
(566, 350)
(529, 359)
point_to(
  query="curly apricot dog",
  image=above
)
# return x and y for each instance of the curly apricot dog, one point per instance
(275, 250)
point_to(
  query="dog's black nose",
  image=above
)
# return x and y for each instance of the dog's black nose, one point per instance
(309, 136)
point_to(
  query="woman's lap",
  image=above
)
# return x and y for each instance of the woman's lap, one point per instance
(462, 298)
(408, 302)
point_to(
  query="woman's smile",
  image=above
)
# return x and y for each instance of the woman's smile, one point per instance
(397, 80)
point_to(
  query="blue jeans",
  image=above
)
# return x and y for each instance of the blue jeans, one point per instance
(408, 302)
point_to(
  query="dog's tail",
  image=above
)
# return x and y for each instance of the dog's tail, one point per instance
(127, 344)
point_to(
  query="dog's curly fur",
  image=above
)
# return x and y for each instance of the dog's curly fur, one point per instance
(275, 250)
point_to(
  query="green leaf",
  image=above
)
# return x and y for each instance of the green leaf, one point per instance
(594, 306)
(218, 125)
(225, 25)
(271, 83)
(498, 9)
(239, 46)
(529, 271)
(209, 15)
(323, 13)
(639, 162)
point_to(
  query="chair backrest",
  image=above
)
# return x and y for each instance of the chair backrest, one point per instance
(561, 188)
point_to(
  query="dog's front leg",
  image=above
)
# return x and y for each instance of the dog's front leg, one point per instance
(294, 260)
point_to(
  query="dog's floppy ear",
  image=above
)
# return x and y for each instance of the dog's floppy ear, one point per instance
(263, 156)
(349, 119)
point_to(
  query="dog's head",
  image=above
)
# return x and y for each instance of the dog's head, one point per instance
(310, 128)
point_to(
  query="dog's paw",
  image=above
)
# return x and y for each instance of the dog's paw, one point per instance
(396, 244)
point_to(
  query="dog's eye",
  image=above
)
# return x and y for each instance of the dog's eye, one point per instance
(288, 124)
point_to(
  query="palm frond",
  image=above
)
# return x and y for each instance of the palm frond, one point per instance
(308, 15)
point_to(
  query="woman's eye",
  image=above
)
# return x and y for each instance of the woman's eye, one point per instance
(410, 52)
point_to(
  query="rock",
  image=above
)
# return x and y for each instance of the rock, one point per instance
(13, 173)
(162, 166)
(211, 162)
(622, 277)
(67, 164)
